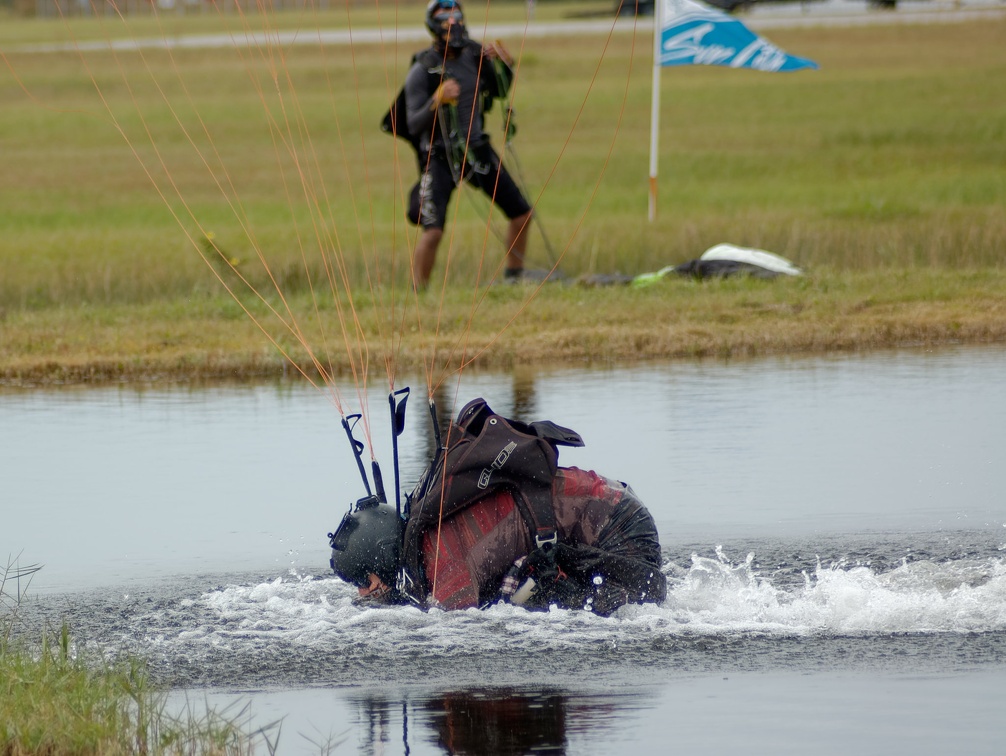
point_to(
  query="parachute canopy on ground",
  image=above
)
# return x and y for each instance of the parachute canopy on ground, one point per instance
(720, 261)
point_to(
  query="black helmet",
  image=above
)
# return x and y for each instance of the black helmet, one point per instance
(369, 539)
(439, 11)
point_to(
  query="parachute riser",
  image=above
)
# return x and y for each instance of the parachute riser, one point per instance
(438, 451)
(357, 447)
(397, 427)
(437, 440)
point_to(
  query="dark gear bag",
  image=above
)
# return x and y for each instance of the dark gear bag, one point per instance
(485, 453)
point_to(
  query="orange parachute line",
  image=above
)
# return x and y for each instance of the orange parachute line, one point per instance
(325, 239)
(116, 124)
(305, 183)
(290, 322)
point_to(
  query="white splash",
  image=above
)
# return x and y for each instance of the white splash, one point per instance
(713, 596)
(716, 595)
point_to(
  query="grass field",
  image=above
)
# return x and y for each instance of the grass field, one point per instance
(882, 175)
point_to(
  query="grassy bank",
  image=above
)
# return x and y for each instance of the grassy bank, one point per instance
(53, 702)
(881, 175)
(672, 319)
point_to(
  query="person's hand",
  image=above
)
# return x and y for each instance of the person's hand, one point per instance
(494, 50)
(447, 93)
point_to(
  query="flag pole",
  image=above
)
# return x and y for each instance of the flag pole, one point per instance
(658, 17)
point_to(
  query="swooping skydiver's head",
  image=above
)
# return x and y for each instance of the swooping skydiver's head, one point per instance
(368, 543)
(446, 22)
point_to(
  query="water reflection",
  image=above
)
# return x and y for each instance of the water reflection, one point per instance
(521, 404)
(486, 722)
(481, 721)
(525, 404)
(828, 713)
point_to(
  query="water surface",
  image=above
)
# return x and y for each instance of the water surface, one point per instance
(833, 533)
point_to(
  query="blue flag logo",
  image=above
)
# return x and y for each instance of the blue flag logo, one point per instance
(693, 34)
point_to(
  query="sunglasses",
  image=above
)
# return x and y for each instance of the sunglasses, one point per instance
(443, 17)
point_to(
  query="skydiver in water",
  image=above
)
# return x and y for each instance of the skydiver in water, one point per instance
(447, 91)
(495, 519)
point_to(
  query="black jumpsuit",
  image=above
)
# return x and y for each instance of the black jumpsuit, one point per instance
(475, 159)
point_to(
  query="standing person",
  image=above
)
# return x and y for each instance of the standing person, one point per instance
(448, 90)
(494, 518)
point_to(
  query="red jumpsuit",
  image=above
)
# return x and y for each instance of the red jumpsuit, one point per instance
(468, 556)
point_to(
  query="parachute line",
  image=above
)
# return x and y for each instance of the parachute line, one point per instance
(333, 277)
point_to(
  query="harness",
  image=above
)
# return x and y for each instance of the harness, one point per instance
(395, 121)
(483, 454)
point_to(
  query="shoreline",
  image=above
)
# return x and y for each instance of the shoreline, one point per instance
(729, 333)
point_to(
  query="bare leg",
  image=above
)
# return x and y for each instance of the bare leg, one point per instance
(516, 241)
(424, 256)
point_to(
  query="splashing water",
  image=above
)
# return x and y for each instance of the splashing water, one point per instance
(720, 613)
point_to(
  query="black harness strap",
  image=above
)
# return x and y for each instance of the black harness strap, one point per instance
(396, 122)
(485, 453)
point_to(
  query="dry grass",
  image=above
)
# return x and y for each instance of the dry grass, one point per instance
(677, 318)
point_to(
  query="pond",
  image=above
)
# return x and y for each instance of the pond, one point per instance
(833, 531)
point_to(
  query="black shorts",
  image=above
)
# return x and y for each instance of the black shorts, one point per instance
(429, 198)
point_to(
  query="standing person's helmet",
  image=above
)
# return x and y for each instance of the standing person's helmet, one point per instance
(368, 540)
(446, 21)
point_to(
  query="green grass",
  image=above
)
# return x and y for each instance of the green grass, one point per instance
(52, 702)
(55, 699)
(884, 165)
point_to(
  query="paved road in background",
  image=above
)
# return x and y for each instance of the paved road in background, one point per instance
(760, 16)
